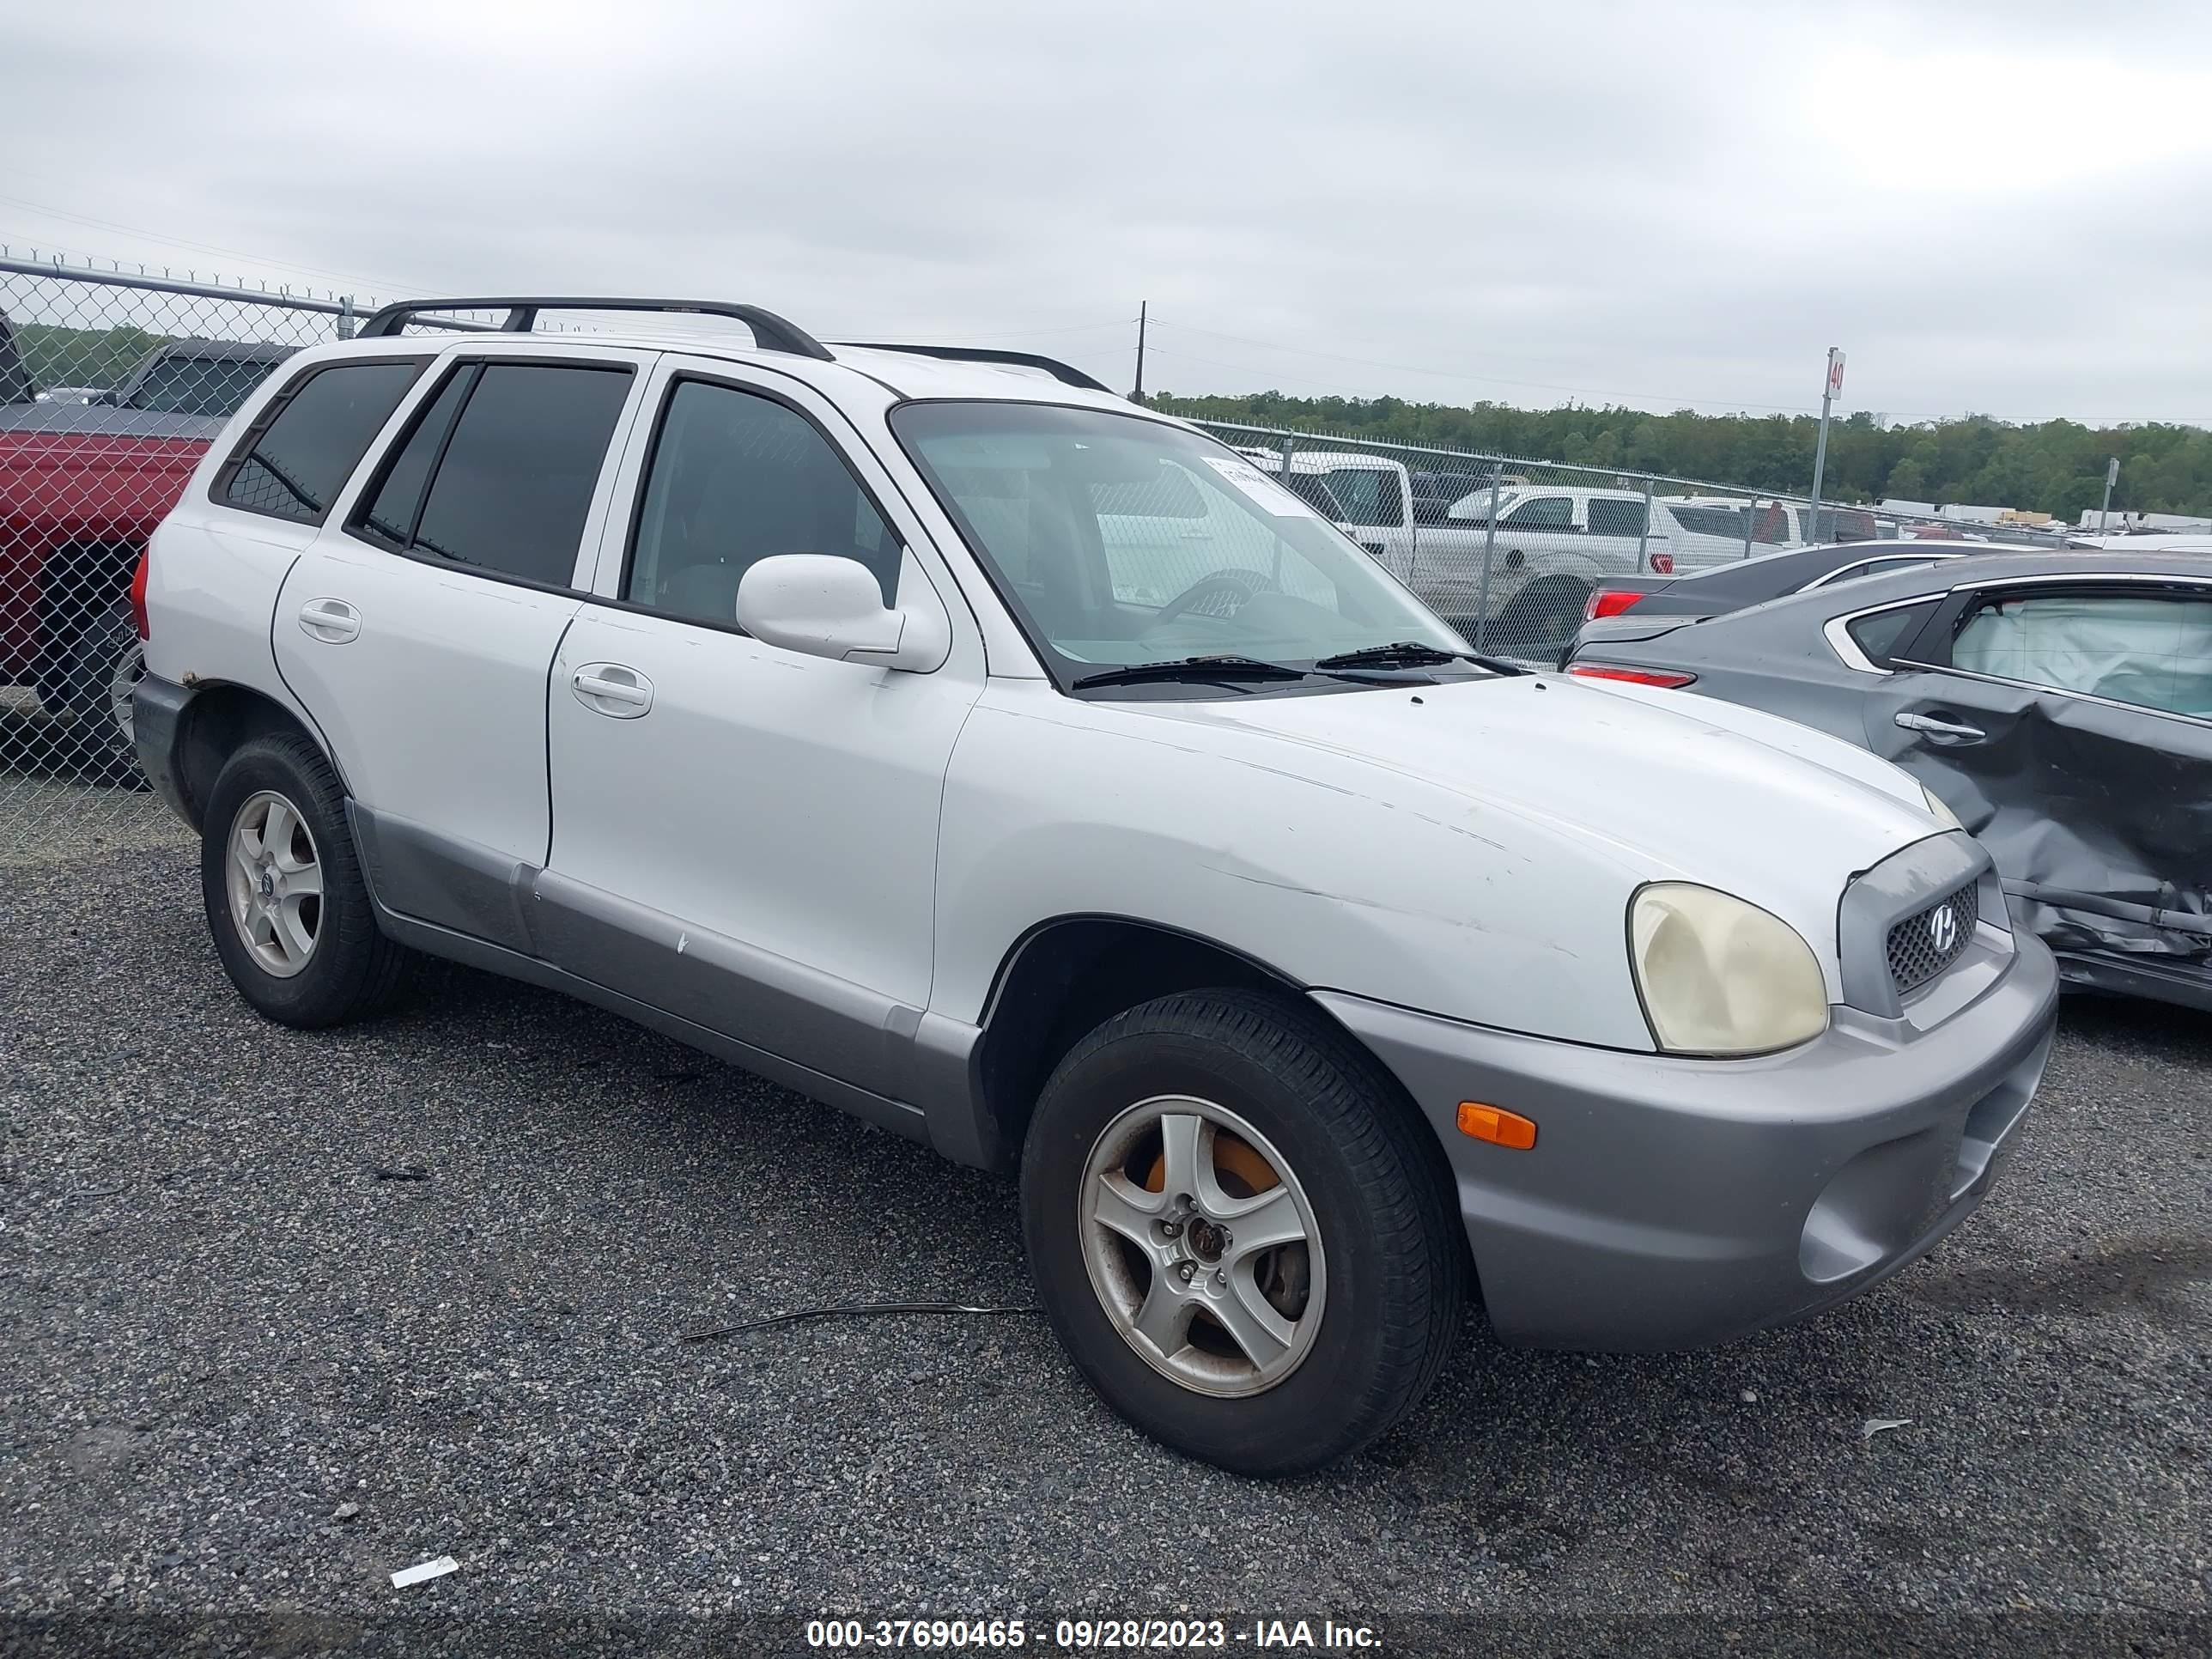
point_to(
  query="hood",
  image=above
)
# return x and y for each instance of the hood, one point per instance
(1660, 786)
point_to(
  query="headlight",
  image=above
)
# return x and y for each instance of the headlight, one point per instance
(1719, 976)
(1943, 814)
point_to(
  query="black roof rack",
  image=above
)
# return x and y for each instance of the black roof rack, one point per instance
(1059, 371)
(770, 331)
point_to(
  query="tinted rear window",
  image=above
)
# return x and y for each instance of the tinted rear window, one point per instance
(511, 482)
(1711, 521)
(1841, 524)
(1612, 518)
(217, 387)
(316, 437)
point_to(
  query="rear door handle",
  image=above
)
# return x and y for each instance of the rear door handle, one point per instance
(1943, 731)
(331, 621)
(609, 689)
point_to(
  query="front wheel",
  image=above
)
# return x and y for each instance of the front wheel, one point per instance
(1243, 1239)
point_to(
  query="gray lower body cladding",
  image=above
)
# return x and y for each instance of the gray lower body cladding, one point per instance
(1673, 1203)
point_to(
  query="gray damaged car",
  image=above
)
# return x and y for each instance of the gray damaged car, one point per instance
(2060, 703)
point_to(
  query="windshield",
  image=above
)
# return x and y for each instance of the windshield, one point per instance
(1066, 508)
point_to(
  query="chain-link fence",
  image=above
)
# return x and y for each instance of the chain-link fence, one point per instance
(1509, 549)
(111, 386)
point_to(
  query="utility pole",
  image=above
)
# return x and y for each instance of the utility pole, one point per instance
(1829, 388)
(1138, 396)
(2105, 507)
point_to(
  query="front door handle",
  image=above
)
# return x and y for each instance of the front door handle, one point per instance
(1942, 731)
(331, 621)
(609, 689)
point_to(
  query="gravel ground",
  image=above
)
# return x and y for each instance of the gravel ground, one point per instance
(284, 1313)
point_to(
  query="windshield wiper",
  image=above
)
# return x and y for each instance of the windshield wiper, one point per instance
(1227, 668)
(1407, 653)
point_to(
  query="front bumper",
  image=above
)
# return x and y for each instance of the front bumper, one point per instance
(1672, 1203)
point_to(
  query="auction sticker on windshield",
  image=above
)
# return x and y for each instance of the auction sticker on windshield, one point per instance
(1264, 492)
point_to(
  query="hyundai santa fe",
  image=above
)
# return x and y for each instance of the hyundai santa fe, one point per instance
(844, 711)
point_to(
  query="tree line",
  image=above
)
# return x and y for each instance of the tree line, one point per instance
(2055, 466)
(101, 357)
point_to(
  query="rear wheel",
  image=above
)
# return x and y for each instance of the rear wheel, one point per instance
(286, 902)
(1239, 1233)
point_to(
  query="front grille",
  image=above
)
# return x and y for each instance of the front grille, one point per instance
(1923, 944)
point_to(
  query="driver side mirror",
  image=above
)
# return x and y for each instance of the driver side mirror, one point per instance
(830, 607)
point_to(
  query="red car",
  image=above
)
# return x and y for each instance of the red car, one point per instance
(81, 487)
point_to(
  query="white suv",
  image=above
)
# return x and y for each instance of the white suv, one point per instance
(1311, 971)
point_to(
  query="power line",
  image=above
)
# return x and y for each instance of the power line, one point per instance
(209, 247)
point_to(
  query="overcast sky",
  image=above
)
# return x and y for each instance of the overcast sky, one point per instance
(2003, 207)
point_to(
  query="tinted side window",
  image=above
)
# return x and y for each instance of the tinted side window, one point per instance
(393, 502)
(1886, 633)
(318, 434)
(511, 475)
(1609, 518)
(1544, 513)
(736, 478)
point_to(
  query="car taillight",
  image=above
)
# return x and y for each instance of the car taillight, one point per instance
(138, 594)
(1608, 602)
(1665, 678)
(1662, 564)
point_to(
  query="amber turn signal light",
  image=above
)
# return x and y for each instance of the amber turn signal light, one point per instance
(1496, 1125)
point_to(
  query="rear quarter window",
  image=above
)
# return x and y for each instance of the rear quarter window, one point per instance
(1883, 634)
(304, 448)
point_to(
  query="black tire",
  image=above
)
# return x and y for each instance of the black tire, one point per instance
(1380, 1195)
(353, 971)
(88, 663)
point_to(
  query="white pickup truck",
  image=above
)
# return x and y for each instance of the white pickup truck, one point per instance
(1553, 543)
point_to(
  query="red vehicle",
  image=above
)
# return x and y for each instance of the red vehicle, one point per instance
(81, 487)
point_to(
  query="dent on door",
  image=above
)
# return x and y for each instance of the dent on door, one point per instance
(2099, 818)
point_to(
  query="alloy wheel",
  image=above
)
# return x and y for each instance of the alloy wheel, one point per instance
(1202, 1246)
(275, 880)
